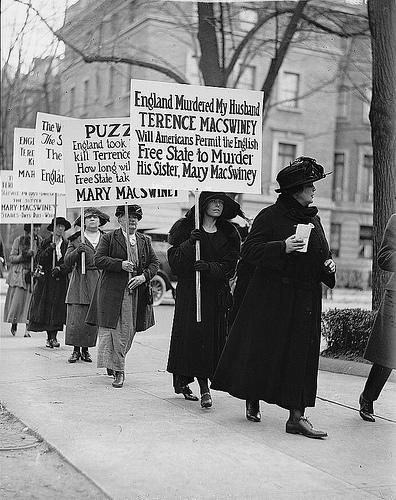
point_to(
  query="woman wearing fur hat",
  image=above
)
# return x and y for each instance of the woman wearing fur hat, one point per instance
(120, 305)
(272, 351)
(19, 290)
(81, 287)
(195, 347)
(47, 311)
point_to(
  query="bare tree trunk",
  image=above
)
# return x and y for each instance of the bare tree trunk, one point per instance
(207, 36)
(382, 19)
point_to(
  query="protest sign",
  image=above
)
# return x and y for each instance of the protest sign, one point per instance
(19, 207)
(97, 155)
(48, 153)
(198, 138)
(23, 160)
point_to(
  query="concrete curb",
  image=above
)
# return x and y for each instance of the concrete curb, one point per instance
(348, 367)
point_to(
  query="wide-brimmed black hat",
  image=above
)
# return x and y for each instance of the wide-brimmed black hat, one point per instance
(26, 227)
(59, 220)
(300, 171)
(135, 210)
(231, 207)
(88, 212)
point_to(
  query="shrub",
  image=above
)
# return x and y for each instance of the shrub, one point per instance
(346, 332)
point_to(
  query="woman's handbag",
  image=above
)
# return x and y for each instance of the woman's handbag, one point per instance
(39, 274)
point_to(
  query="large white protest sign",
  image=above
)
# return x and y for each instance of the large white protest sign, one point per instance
(191, 137)
(49, 162)
(23, 159)
(97, 155)
(19, 207)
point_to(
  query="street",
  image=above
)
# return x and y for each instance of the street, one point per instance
(145, 442)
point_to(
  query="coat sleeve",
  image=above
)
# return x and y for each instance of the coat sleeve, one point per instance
(152, 262)
(387, 252)
(225, 267)
(261, 247)
(72, 256)
(102, 259)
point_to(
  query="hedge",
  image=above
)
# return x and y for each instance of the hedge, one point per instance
(346, 332)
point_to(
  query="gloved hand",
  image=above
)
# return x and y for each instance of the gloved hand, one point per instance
(52, 245)
(195, 235)
(55, 271)
(82, 247)
(26, 254)
(201, 266)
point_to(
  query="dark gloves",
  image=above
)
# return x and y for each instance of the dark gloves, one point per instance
(55, 271)
(202, 266)
(26, 254)
(82, 247)
(195, 235)
(52, 245)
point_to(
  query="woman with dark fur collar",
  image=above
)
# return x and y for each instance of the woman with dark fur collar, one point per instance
(195, 347)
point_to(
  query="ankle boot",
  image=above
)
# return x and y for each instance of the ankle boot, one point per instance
(118, 379)
(366, 409)
(253, 410)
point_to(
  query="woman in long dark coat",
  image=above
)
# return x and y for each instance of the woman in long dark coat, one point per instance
(81, 287)
(195, 347)
(120, 305)
(381, 347)
(47, 311)
(272, 351)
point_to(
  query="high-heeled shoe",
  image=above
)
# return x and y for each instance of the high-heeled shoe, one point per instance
(85, 356)
(253, 410)
(118, 379)
(75, 356)
(366, 409)
(110, 372)
(206, 400)
(188, 394)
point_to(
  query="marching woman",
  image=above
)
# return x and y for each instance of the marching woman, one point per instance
(272, 352)
(47, 311)
(81, 287)
(195, 347)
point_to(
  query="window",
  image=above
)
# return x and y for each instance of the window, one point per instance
(343, 103)
(110, 92)
(335, 239)
(247, 19)
(85, 95)
(338, 176)
(247, 78)
(366, 105)
(286, 154)
(289, 90)
(98, 83)
(367, 179)
(366, 242)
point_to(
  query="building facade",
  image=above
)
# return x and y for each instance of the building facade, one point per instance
(318, 106)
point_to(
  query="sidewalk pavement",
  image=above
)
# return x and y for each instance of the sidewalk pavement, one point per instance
(143, 442)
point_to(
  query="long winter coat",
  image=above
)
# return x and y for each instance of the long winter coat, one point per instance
(381, 347)
(47, 309)
(273, 348)
(80, 292)
(195, 348)
(106, 303)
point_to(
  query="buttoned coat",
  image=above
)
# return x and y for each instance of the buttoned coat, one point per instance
(272, 350)
(106, 303)
(381, 347)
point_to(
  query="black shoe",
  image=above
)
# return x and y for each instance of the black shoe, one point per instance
(27, 334)
(366, 409)
(188, 394)
(85, 356)
(303, 426)
(110, 372)
(118, 379)
(55, 343)
(49, 343)
(75, 356)
(206, 400)
(14, 327)
(253, 410)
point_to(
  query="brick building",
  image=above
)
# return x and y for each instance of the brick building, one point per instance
(318, 107)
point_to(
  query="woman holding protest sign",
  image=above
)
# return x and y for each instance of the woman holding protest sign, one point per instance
(121, 304)
(272, 351)
(195, 347)
(19, 291)
(82, 283)
(47, 311)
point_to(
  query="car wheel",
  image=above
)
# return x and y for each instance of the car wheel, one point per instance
(159, 289)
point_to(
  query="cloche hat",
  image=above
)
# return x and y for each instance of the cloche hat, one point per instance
(88, 212)
(135, 210)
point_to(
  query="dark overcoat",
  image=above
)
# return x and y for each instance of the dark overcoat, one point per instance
(273, 347)
(47, 309)
(381, 347)
(195, 348)
(106, 303)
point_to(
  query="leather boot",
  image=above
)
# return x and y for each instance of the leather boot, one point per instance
(253, 410)
(118, 379)
(366, 409)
